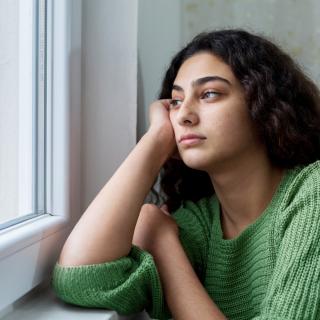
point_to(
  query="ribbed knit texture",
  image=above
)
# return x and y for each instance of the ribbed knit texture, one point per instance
(270, 271)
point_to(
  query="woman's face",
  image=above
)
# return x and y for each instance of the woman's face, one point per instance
(209, 101)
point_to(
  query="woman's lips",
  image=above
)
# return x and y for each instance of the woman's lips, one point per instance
(191, 141)
(191, 136)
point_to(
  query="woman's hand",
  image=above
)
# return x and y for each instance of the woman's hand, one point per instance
(159, 116)
(161, 127)
(154, 225)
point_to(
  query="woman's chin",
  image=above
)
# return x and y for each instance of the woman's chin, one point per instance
(197, 164)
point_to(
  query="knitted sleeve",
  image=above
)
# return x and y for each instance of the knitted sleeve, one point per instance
(130, 284)
(294, 289)
(127, 285)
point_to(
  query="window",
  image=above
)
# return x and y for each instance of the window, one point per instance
(23, 123)
(40, 123)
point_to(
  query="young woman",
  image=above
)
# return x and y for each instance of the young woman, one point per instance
(236, 133)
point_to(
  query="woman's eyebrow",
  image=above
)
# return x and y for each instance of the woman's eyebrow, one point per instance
(201, 81)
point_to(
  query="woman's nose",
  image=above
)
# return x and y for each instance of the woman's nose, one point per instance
(187, 115)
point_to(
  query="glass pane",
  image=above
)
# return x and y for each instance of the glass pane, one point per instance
(22, 110)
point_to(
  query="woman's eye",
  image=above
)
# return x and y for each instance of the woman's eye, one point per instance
(175, 102)
(210, 94)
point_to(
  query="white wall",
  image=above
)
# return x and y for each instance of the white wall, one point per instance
(109, 90)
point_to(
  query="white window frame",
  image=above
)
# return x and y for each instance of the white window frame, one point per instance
(26, 12)
(29, 249)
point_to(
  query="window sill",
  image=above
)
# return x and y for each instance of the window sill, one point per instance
(25, 234)
(42, 304)
(28, 253)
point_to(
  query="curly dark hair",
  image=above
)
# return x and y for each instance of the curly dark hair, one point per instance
(283, 103)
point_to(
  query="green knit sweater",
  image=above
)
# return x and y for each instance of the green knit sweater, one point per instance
(270, 271)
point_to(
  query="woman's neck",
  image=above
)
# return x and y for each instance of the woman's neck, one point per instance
(244, 192)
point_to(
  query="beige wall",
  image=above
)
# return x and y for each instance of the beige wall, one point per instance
(292, 24)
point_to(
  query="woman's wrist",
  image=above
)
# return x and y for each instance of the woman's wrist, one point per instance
(163, 245)
(164, 139)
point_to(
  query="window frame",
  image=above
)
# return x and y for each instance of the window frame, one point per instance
(29, 249)
(26, 9)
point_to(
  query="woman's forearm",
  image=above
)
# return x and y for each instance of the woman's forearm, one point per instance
(184, 293)
(105, 230)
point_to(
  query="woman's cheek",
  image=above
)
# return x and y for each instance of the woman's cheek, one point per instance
(171, 117)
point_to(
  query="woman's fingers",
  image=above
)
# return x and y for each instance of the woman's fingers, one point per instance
(166, 103)
(165, 209)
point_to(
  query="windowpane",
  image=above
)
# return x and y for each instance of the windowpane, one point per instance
(22, 110)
